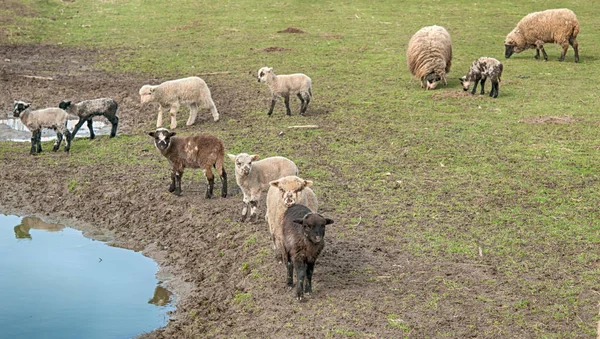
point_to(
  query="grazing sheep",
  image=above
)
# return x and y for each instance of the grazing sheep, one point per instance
(284, 193)
(87, 110)
(172, 94)
(254, 176)
(196, 151)
(429, 55)
(554, 25)
(303, 241)
(53, 118)
(481, 69)
(285, 85)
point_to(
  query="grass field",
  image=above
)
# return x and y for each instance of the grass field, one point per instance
(439, 175)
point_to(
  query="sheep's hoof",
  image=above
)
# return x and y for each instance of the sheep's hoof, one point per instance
(207, 196)
(253, 218)
(171, 188)
(177, 192)
(67, 150)
(55, 148)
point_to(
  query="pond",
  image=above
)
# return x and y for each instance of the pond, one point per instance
(56, 283)
(12, 129)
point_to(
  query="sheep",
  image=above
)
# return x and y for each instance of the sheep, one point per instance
(303, 241)
(481, 69)
(87, 110)
(53, 118)
(254, 176)
(282, 194)
(554, 25)
(285, 85)
(429, 55)
(195, 151)
(191, 91)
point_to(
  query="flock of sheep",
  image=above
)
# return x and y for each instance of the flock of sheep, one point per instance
(297, 230)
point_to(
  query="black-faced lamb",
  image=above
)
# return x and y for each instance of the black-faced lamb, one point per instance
(480, 70)
(52, 118)
(253, 177)
(553, 25)
(191, 91)
(303, 241)
(429, 55)
(284, 193)
(195, 151)
(88, 109)
(285, 85)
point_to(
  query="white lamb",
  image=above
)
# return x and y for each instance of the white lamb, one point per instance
(285, 85)
(52, 118)
(253, 177)
(191, 91)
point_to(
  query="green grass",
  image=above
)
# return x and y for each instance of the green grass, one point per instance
(463, 171)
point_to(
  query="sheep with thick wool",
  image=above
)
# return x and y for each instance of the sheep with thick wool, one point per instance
(253, 177)
(35, 120)
(285, 85)
(429, 55)
(171, 94)
(553, 25)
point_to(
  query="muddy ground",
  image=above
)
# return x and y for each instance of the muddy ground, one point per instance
(224, 273)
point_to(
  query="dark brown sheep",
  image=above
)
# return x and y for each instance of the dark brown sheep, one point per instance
(196, 151)
(303, 241)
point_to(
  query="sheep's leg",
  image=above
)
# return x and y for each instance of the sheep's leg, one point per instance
(211, 183)
(213, 109)
(474, 86)
(223, 183)
(309, 272)
(300, 275)
(286, 99)
(482, 83)
(290, 272)
(497, 89)
(306, 103)
(38, 140)
(68, 138)
(91, 128)
(178, 175)
(78, 126)
(33, 142)
(174, 109)
(565, 47)
(115, 122)
(253, 205)
(301, 103)
(539, 45)
(537, 53)
(159, 120)
(573, 42)
(273, 99)
(193, 114)
(244, 212)
(58, 141)
(172, 185)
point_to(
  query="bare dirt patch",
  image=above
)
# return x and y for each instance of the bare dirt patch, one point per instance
(273, 49)
(292, 30)
(567, 119)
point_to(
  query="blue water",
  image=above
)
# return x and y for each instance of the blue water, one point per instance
(55, 283)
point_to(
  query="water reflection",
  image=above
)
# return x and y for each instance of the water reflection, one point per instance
(28, 223)
(12, 129)
(161, 297)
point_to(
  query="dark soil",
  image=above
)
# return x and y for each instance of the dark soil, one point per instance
(275, 49)
(224, 273)
(292, 30)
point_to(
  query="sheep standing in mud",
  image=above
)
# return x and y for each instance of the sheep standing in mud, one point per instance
(554, 25)
(429, 55)
(191, 91)
(284, 193)
(87, 110)
(303, 241)
(196, 151)
(285, 85)
(253, 177)
(480, 70)
(52, 118)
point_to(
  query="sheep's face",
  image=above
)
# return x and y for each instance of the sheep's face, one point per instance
(313, 225)
(162, 138)
(263, 73)
(465, 83)
(432, 80)
(64, 104)
(146, 93)
(243, 163)
(19, 107)
(289, 188)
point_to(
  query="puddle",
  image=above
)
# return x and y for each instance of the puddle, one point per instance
(58, 284)
(12, 129)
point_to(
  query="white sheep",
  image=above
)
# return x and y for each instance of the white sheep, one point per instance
(481, 69)
(191, 91)
(52, 118)
(88, 109)
(253, 177)
(554, 25)
(284, 193)
(285, 85)
(429, 55)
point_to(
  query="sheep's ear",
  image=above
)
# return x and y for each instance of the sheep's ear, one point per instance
(255, 157)
(269, 69)
(274, 183)
(68, 103)
(151, 134)
(298, 221)
(232, 157)
(307, 183)
(328, 221)
(171, 134)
